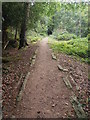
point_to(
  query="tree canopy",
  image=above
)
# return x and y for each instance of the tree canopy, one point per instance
(44, 16)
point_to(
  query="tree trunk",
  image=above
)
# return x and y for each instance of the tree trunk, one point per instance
(16, 33)
(23, 41)
(4, 34)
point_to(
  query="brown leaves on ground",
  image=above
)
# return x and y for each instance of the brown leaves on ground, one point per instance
(16, 69)
(78, 76)
(14, 72)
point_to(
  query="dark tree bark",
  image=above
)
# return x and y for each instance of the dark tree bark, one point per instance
(16, 33)
(4, 34)
(23, 41)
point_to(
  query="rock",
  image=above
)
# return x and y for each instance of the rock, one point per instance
(34, 57)
(78, 71)
(53, 56)
(65, 70)
(48, 111)
(38, 112)
(58, 113)
(77, 87)
(54, 105)
(13, 116)
(65, 114)
(41, 77)
(76, 76)
(62, 69)
(66, 104)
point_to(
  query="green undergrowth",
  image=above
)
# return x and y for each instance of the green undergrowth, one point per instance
(63, 35)
(66, 36)
(33, 37)
(76, 47)
(11, 34)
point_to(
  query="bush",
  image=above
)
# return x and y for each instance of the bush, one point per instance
(59, 32)
(34, 39)
(66, 36)
(32, 36)
(88, 36)
(77, 47)
(63, 35)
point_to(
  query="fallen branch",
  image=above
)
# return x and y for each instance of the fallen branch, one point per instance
(77, 107)
(6, 45)
(23, 87)
(77, 87)
(67, 83)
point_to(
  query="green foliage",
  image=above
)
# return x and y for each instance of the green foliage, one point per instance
(77, 47)
(11, 33)
(41, 26)
(72, 18)
(12, 13)
(32, 36)
(65, 36)
(88, 36)
(34, 39)
(59, 31)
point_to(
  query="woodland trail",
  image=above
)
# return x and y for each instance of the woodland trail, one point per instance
(45, 94)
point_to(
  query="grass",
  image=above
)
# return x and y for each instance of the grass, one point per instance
(76, 47)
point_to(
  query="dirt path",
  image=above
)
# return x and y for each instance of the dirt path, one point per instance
(45, 94)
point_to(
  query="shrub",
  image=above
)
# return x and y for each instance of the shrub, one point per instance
(88, 36)
(77, 47)
(66, 36)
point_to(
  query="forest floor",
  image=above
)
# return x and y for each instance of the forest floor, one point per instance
(45, 94)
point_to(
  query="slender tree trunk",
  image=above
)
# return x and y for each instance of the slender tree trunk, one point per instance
(23, 41)
(4, 35)
(16, 33)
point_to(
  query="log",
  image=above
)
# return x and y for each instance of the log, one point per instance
(67, 83)
(77, 107)
(19, 97)
(77, 87)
